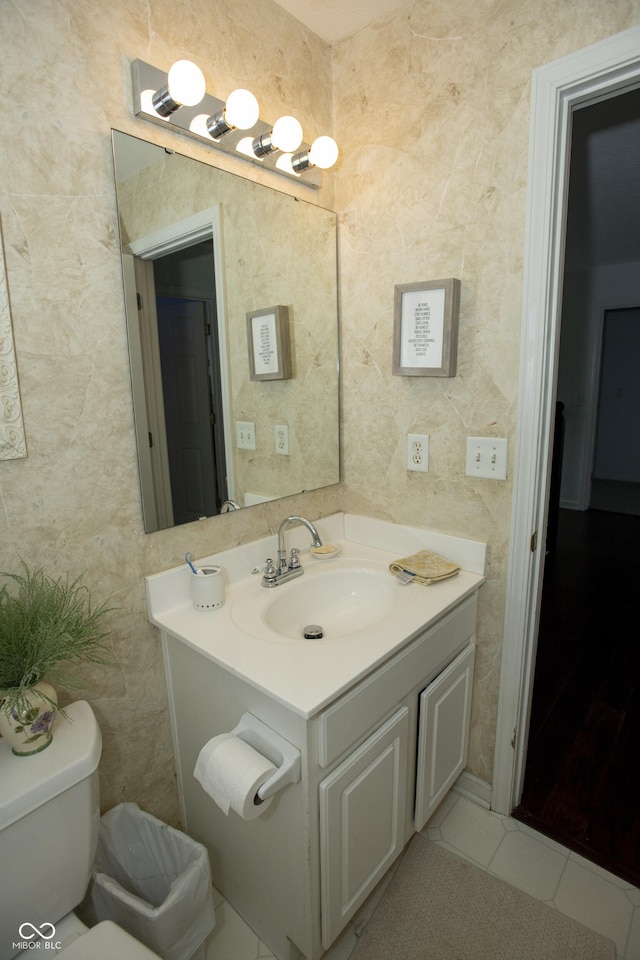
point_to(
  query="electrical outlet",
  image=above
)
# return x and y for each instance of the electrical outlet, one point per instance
(418, 452)
(281, 432)
(245, 435)
(487, 457)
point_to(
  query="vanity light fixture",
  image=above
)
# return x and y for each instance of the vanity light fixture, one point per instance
(185, 86)
(233, 126)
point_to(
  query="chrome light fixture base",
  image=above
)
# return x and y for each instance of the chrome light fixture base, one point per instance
(262, 146)
(192, 121)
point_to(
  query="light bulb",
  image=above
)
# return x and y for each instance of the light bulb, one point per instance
(185, 88)
(286, 134)
(323, 152)
(241, 110)
(186, 83)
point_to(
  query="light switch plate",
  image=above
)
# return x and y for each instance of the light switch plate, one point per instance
(245, 435)
(487, 457)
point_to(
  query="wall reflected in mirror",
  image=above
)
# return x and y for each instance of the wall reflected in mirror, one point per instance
(201, 249)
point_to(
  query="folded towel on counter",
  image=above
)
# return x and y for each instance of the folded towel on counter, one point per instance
(425, 567)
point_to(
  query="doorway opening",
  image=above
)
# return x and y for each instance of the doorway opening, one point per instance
(182, 382)
(185, 298)
(581, 780)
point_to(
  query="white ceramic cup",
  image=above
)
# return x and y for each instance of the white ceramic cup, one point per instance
(207, 587)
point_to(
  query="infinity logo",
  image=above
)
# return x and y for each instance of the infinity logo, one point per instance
(37, 931)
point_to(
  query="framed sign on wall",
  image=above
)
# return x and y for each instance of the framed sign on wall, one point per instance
(269, 344)
(425, 331)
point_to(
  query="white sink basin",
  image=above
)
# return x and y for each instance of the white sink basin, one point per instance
(245, 636)
(343, 597)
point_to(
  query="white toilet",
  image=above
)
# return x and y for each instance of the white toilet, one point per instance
(49, 821)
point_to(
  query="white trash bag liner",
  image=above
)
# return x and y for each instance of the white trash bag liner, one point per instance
(153, 881)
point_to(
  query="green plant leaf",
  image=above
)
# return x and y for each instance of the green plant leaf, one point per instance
(45, 626)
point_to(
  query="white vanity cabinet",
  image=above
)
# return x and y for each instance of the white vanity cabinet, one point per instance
(392, 782)
(379, 716)
(443, 734)
(362, 821)
(381, 754)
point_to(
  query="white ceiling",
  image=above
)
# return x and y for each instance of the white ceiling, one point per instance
(335, 19)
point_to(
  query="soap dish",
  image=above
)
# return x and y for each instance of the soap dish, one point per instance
(326, 552)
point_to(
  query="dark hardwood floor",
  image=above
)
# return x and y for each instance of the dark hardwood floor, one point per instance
(582, 782)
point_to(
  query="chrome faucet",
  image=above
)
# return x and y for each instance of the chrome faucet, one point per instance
(288, 569)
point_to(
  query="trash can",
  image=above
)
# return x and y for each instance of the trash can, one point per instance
(153, 881)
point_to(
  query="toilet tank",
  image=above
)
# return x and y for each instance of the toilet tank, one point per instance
(49, 821)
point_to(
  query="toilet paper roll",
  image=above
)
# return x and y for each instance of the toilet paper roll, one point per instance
(231, 771)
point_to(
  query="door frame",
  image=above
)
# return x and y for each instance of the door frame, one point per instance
(596, 73)
(153, 456)
(205, 225)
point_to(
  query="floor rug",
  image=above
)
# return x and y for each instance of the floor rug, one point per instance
(440, 907)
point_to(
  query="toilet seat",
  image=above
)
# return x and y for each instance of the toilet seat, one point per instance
(107, 941)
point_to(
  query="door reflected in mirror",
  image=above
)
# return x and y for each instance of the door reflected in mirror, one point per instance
(201, 249)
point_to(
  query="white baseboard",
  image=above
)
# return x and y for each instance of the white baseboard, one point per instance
(473, 788)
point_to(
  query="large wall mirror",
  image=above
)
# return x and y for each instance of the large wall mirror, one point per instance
(221, 273)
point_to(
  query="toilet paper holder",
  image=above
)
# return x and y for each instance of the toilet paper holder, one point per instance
(275, 748)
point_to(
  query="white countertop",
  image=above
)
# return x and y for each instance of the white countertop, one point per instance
(306, 675)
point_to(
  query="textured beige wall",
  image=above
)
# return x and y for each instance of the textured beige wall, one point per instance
(74, 503)
(432, 115)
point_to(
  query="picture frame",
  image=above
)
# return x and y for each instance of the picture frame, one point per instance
(425, 330)
(13, 445)
(269, 343)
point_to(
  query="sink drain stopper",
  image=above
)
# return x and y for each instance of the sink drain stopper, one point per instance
(313, 632)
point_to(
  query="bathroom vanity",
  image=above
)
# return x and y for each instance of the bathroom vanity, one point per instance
(378, 710)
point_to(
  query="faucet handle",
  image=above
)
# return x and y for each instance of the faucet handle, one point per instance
(294, 562)
(270, 574)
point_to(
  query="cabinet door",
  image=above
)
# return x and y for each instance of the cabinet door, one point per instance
(362, 816)
(443, 736)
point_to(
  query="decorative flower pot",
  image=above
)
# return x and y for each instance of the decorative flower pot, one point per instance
(28, 728)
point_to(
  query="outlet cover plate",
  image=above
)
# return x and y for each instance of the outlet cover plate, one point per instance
(418, 452)
(487, 457)
(281, 436)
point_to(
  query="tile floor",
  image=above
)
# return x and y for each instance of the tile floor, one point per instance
(505, 848)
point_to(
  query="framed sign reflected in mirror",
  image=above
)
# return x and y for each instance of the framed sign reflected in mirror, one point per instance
(269, 344)
(425, 332)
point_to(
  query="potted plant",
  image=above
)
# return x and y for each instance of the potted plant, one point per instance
(45, 624)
